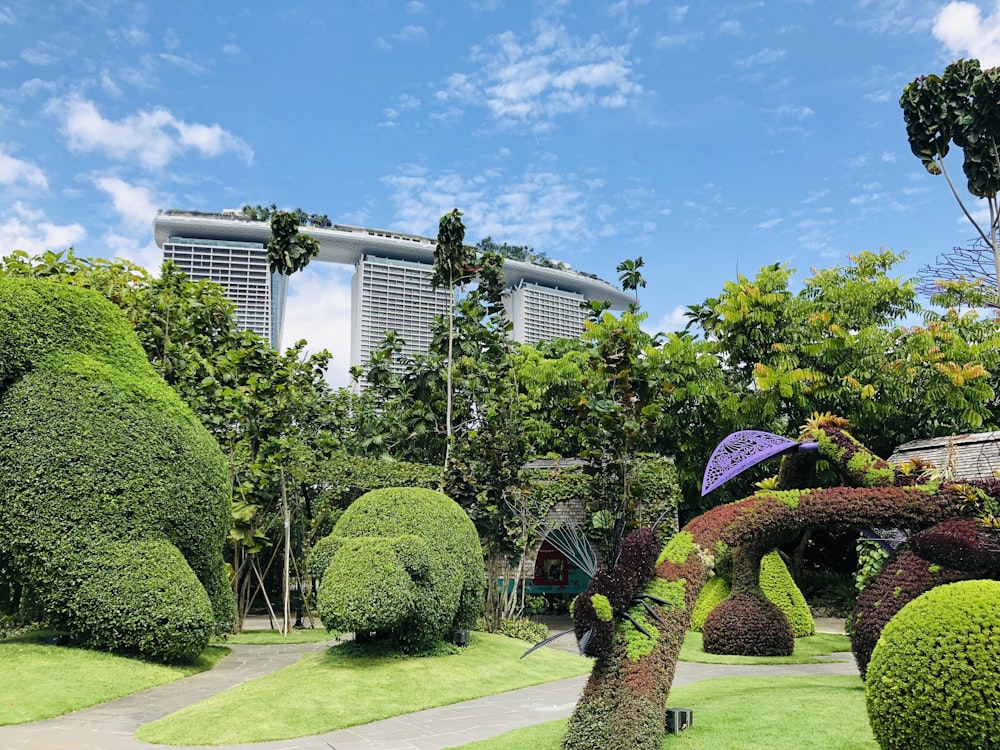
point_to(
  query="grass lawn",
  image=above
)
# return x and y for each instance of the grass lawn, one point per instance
(341, 688)
(745, 713)
(806, 651)
(38, 680)
(273, 637)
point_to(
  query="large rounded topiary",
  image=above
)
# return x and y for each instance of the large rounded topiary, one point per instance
(778, 587)
(934, 677)
(114, 500)
(405, 565)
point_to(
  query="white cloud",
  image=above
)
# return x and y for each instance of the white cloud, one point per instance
(534, 80)
(813, 197)
(766, 56)
(415, 6)
(38, 57)
(232, 50)
(319, 311)
(963, 29)
(677, 13)
(411, 33)
(676, 40)
(14, 170)
(134, 203)
(542, 209)
(129, 247)
(24, 228)
(153, 137)
(730, 28)
(798, 111)
(184, 63)
(769, 224)
(674, 320)
(6, 15)
(880, 97)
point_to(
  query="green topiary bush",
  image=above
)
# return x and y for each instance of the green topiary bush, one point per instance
(934, 677)
(113, 497)
(778, 587)
(405, 566)
(163, 587)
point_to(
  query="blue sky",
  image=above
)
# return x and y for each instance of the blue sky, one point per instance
(708, 138)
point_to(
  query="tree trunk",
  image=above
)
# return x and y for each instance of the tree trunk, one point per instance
(286, 599)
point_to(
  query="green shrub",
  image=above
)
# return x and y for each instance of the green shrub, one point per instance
(157, 608)
(537, 604)
(523, 629)
(98, 454)
(406, 567)
(934, 677)
(778, 587)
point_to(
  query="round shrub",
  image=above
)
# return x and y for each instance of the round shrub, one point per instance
(406, 566)
(748, 625)
(934, 677)
(903, 578)
(778, 587)
(157, 608)
(98, 453)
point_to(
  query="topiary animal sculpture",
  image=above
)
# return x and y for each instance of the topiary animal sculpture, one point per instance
(114, 500)
(402, 564)
(623, 704)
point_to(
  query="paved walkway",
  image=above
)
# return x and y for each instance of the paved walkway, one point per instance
(110, 726)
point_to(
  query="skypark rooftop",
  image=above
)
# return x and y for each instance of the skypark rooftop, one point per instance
(347, 244)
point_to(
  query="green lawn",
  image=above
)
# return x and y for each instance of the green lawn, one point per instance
(273, 637)
(806, 651)
(341, 688)
(39, 680)
(745, 713)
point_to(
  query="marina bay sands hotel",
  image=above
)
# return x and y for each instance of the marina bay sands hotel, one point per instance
(391, 288)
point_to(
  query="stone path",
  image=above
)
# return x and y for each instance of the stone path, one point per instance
(110, 726)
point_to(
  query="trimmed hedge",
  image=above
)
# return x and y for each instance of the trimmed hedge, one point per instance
(405, 566)
(778, 587)
(934, 677)
(102, 470)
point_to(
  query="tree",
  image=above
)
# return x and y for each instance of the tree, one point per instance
(453, 262)
(960, 107)
(630, 276)
(288, 250)
(618, 412)
(840, 345)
